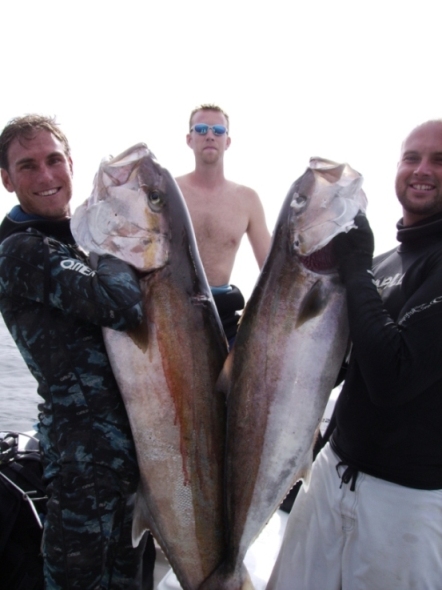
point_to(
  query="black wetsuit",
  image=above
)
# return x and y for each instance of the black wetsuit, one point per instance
(389, 412)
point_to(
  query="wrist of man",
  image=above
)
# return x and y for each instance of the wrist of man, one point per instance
(355, 266)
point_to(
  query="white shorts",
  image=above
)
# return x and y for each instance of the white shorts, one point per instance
(382, 536)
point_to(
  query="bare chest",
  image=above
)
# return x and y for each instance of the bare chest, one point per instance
(221, 222)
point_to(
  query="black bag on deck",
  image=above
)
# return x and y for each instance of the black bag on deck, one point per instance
(22, 508)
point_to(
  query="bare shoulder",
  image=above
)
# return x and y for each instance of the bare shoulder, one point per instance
(184, 180)
(241, 188)
(246, 193)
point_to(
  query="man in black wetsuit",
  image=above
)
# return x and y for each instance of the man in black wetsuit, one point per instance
(372, 516)
(54, 304)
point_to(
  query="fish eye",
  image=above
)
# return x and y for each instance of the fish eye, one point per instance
(298, 201)
(155, 199)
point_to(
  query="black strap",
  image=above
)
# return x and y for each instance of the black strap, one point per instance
(350, 473)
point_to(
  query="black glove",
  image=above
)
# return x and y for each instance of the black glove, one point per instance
(354, 249)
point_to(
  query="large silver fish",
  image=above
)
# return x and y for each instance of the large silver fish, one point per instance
(167, 369)
(289, 348)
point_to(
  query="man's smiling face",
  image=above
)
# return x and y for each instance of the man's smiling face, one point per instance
(419, 173)
(40, 173)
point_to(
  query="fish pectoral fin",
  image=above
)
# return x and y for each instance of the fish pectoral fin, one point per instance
(139, 521)
(313, 304)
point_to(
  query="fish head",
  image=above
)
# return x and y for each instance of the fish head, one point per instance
(127, 214)
(323, 203)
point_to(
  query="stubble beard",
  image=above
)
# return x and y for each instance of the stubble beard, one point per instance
(423, 208)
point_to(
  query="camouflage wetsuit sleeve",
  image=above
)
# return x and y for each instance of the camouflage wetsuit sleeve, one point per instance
(108, 296)
(55, 305)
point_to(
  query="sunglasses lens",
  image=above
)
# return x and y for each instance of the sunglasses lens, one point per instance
(219, 129)
(201, 128)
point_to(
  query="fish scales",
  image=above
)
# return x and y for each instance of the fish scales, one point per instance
(289, 348)
(167, 368)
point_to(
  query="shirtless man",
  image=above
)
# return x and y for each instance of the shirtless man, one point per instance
(222, 211)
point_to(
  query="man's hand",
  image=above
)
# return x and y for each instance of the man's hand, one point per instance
(354, 249)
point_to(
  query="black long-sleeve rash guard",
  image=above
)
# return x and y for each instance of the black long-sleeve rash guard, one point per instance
(389, 413)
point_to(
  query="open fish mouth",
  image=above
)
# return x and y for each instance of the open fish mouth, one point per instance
(320, 261)
(335, 189)
(127, 212)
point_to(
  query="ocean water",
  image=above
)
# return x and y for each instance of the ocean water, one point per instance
(18, 388)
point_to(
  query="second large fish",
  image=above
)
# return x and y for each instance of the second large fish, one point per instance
(167, 369)
(289, 348)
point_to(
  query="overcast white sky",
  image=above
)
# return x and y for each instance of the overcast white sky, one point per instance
(344, 80)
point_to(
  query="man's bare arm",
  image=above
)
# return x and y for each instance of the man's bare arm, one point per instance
(257, 231)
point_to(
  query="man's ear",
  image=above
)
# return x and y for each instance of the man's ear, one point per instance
(188, 139)
(228, 142)
(6, 180)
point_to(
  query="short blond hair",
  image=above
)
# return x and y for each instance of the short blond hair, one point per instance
(208, 107)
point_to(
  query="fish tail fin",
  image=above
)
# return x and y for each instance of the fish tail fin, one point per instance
(224, 579)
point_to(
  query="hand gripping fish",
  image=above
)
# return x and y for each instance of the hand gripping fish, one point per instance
(167, 369)
(289, 348)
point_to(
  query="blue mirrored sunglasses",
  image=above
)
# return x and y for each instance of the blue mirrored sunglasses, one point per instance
(203, 129)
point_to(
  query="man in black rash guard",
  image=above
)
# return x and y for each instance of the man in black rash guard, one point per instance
(371, 518)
